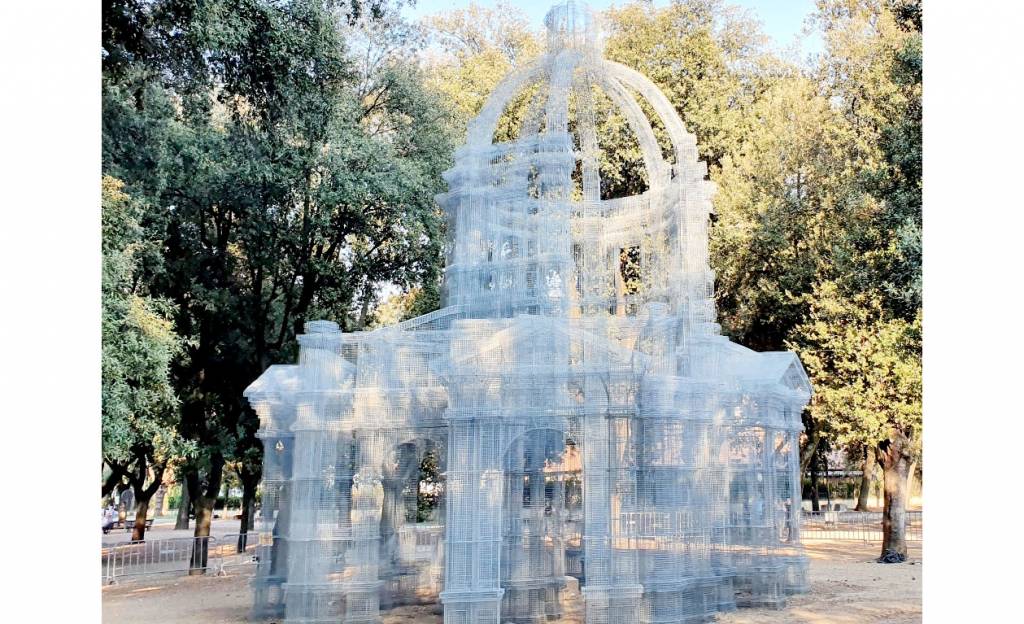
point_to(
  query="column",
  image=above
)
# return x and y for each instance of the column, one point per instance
(473, 528)
(612, 592)
(362, 588)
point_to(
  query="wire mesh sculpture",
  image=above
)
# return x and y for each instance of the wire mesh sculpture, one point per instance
(570, 427)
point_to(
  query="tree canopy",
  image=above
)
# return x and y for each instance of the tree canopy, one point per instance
(283, 177)
(139, 343)
(272, 162)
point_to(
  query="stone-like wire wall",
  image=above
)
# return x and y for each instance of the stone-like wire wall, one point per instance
(598, 442)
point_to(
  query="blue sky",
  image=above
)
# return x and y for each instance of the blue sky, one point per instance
(782, 19)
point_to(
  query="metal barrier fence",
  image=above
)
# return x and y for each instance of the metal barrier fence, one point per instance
(180, 555)
(177, 555)
(854, 525)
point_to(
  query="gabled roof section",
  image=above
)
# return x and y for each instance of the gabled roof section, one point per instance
(279, 379)
(781, 367)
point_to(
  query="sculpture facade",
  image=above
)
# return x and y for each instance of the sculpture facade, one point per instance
(597, 441)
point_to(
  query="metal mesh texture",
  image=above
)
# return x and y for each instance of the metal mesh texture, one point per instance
(594, 435)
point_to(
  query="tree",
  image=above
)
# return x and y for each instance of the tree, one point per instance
(866, 371)
(139, 420)
(872, 73)
(867, 477)
(429, 488)
(249, 468)
(284, 182)
(784, 201)
(479, 46)
(403, 306)
(709, 59)
(184, 507)
(819, 190)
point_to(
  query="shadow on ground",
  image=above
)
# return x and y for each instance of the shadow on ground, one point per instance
(847, 587)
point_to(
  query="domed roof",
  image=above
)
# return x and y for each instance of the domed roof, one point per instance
(531, 230)
(559, 92)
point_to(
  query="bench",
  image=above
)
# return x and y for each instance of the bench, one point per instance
(129, 524)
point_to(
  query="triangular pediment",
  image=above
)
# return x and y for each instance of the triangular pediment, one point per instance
(795, 377)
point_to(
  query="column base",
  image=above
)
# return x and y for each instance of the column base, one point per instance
(606, 604)
(472, 607)
(362, 602)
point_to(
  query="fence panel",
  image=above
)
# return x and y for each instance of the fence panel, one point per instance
(854, 525)
(179, 555)
(234, 550)
(161, 556)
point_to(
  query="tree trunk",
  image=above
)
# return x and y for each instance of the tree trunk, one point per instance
(183, 507)
(203, 501)
(122, 511)
(811, 446)
(364, 310)
(876, 484)
(114, 481)
(141, 509)
(815, 503)
(201, 545)
(865, 480)
(895, 456)
(249, 483)
(828, 490)
(911, 482)
(158, 501)
(143, 494)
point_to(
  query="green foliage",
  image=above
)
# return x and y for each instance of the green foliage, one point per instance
(861, 336)
(228, 502)
(706, 56)
(282, 179)
(403, 306)
(174, 496)
(784, 200)
(891, 240)
(865, 367)
(479, 47)
(139, 403)
(431, 488)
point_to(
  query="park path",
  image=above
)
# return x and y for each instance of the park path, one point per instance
(847, 587)
(163, 528)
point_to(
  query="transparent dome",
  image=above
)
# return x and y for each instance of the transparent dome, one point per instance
(535, 229)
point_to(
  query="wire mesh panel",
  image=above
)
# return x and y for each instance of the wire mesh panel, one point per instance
(593, 433)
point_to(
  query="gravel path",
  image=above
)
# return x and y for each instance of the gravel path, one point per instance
(846, 587)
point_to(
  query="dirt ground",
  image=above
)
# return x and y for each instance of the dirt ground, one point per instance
(846, 587)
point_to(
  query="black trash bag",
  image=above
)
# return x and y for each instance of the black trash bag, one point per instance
(891, 556)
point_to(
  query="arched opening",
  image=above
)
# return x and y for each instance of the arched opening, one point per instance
(541, 527)
(522, 113)
(412, 524)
